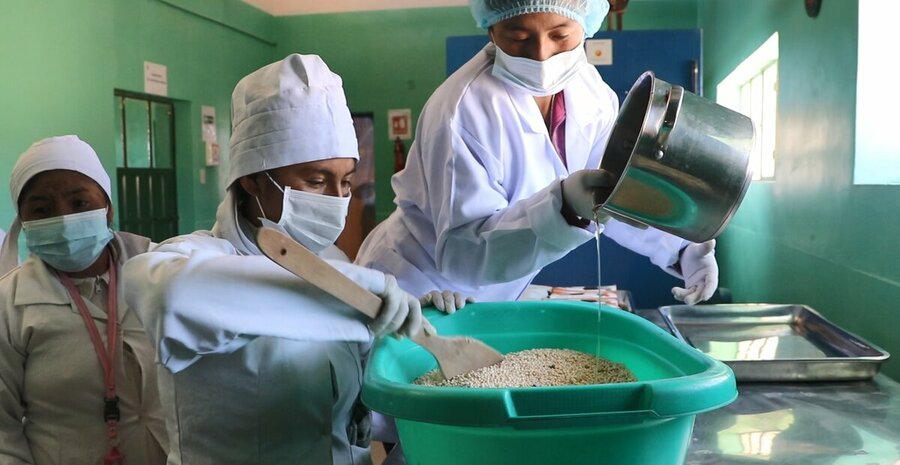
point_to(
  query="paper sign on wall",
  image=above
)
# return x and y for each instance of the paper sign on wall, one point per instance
(599, 51)
(208, 123)
(212, 154)
(400, 124)
(156, 79)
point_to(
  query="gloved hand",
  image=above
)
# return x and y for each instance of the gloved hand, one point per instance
(400, 311)
(584, 189)
(446, 301)
(700, 271)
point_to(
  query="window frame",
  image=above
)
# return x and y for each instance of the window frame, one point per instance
(747, 90)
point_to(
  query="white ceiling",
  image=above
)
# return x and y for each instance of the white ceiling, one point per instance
(304, 7)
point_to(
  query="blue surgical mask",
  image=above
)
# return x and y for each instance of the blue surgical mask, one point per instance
(69, 242)
(539, 78)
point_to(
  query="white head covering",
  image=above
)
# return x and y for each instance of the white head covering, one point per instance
(52, 153)
(291, 111)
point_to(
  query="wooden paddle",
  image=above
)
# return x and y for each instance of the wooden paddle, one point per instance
(455, 355)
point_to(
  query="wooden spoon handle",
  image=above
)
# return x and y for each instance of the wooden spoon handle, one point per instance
(299, 260)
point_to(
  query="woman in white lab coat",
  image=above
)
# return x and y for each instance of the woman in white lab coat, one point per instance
(500, 181)
(61, 400)
(261, 367)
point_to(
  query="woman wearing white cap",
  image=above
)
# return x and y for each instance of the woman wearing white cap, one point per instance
(497, 184)
(263, 368)
(77, 374)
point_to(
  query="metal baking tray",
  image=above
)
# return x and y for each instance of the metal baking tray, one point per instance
(768, 342)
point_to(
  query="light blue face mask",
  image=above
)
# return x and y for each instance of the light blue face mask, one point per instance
(69, 242)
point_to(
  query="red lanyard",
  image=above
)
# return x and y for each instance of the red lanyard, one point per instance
(107, 356)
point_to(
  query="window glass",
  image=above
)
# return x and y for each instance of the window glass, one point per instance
(137, 133)
(752, 89)
(877, 159)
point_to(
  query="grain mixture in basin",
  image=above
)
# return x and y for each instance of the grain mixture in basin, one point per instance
(537, 367)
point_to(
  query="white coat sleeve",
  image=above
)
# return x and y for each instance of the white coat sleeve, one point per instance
(197, 297)
(14, 449)
(481, 238)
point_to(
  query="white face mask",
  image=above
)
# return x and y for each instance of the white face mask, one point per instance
(539, 78)
(314, 220)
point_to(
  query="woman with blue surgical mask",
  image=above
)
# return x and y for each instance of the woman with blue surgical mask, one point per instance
(259, 366)
(77, 374)
(501, 178)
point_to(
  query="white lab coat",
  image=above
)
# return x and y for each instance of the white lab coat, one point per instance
(50, 374)
(262, 368)
(479, 200)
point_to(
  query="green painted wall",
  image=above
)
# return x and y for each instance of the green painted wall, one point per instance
(659, 14)
(811, 236)
(55, 78)
(61, 61)
(387, 59)
(397, 58)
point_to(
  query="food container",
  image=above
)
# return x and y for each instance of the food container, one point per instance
(775, 342)
(644, 422)
(683, 161)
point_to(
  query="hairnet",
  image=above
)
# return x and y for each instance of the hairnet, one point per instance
(588, 13)
(52, 153)
(291, 111)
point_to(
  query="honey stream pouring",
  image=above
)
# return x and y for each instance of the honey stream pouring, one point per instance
(455, 355)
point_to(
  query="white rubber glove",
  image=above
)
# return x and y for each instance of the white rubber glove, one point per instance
(445, 301)
(700, 271)
(584, 189)
(400, 311)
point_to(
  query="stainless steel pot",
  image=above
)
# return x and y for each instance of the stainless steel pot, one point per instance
(683, 162)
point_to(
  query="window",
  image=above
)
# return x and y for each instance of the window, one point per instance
(145, 130)
(877, 158)
(752, 89)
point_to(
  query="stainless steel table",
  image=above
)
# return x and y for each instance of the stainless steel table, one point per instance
(816, 423)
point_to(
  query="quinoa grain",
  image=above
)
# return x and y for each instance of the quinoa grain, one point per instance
(537, 367)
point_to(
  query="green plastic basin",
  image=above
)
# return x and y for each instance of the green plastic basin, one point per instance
(645, 422)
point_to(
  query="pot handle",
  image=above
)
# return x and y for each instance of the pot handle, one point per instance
(673, 107)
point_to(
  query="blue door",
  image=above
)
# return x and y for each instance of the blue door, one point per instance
(674, 56)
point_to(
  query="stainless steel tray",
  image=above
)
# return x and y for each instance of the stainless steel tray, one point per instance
(766, 342)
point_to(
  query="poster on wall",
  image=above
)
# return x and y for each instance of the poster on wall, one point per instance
(599, 51)
(208, 125)
(212, 154)
(156, 79)
(400, 124)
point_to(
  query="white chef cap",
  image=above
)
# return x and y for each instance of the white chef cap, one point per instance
(291, 111)
(52, 153)
(588, 13)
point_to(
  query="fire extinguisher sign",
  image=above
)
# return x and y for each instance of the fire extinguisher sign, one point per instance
(400, 124)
